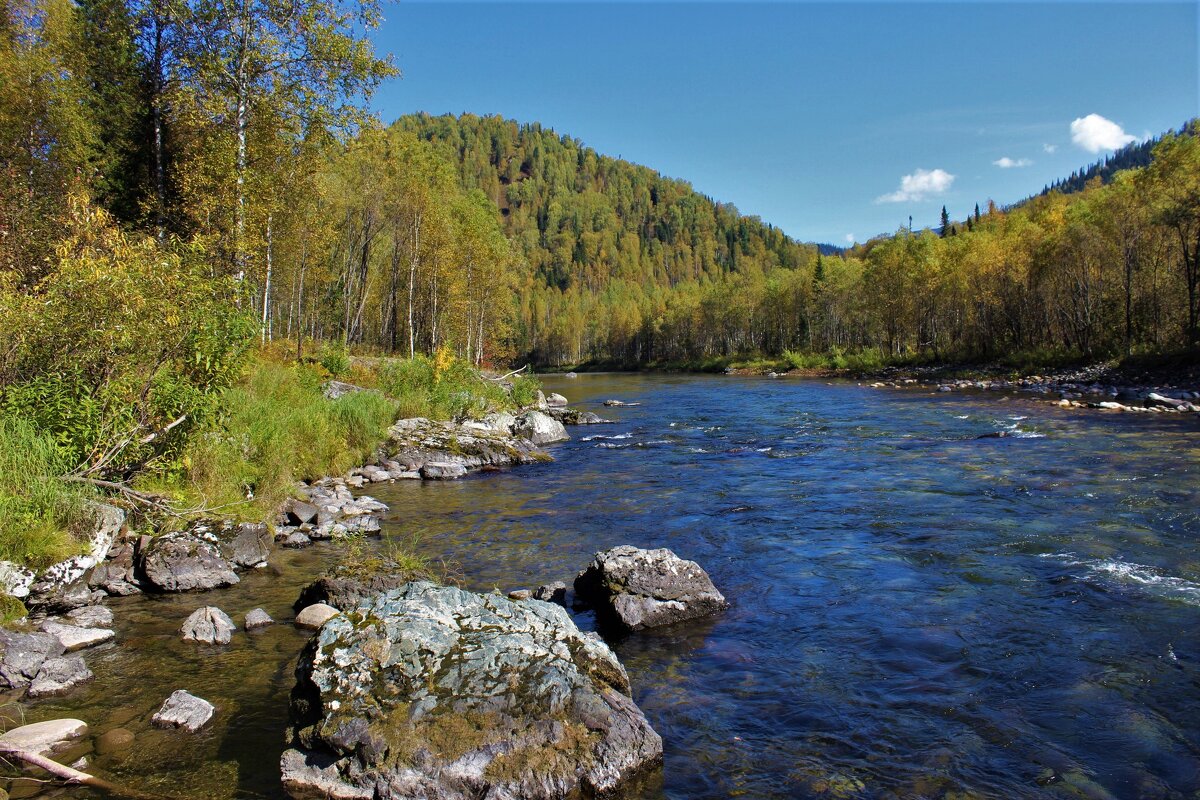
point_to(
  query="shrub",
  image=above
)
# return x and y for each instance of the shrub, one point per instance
(335, 359)
(442, 387)
(524, 390)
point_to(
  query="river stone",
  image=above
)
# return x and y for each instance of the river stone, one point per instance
(74, 637)
(90, 617)
(209, 625)
(435, 692)
(258, 619)
(45, 737)
(118, 574)
(183, 562)
(114, 741)
(299, 512)
(22, 655)
(315, 616)
(641, 589)
(250, 546)
(58, 675)
(183, 710)
(64, 585)
(296, 540)
(552, 593)
(442, 471)
(540, 428)
(556, 399)
(344, 592)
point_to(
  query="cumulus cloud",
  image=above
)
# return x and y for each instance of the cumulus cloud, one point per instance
(1009, 163)
(1049, 148)
(1094, 133)
(850, 238)
(921, 184)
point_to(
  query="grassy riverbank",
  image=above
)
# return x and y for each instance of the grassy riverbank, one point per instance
(273, 426)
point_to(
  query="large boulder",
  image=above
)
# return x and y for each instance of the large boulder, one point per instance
(22, 656)
(58, 675)
(639, 589)
(63, 586)
(540, 428)
(435, 692)
(471, 445)
(183, 562)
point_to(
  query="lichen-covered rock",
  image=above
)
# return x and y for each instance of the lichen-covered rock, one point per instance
(472, 445)
(22, 655)
(183, 562)
(641, 589)
(249, 545)
(435, 692)
(209, 625)
(540, 428)
(63, 586)
(184, 710)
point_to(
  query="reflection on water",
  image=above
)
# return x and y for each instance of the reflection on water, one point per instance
(916, 611)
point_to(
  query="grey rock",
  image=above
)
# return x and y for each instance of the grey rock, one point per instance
(472, 445)
(50, 597)
(299, 512)
(442, 471)
(296, 540)
(574, 416)
(520, 594)
(183, 562)
(258, 619)
(74, 637)
(90, 617)
(63, 586)
(335, 389)
(540, 428)
(22, 655)
(45, 737)
(183, 710)
(641, 589)
(555, 399)
(249, 545)
(346, 592)
(552, 593)
(58, 675)
(316, 615)
(118, 574)
(434, 692)
(209, 625)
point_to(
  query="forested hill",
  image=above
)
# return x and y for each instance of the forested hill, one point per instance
(1131, 156)
(611, 247)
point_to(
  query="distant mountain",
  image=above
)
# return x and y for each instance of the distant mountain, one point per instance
(1131, 156)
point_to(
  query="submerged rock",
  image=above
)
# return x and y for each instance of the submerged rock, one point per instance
(258, 619)
(184, 710)
(641, 589)
(90, 617)
(209, 625)
(182, 562)
(45, 737)
(58, 675)
(435, 692)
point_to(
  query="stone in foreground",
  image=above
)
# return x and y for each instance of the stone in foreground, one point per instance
(435, 692)
(183, 710)
(74, 637)
(22, 655)
(641, 589)
(315, 616)
(258, 619)
(45, 737)
(209, 625)
(183, 562)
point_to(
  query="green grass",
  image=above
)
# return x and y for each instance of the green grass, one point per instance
(42, 517)
(447, 388)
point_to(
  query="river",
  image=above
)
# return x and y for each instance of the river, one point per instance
(915, 611)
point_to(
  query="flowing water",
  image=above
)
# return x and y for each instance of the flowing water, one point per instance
(916, 612)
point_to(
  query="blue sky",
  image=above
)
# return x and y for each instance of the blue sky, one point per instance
(828, 120)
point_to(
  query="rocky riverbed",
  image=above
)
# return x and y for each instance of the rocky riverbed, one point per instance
(519, 703)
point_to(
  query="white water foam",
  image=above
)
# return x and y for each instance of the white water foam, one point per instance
(1129, 574)
(594, 437)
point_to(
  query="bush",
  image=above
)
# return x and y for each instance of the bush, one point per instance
(524, 390)
(42, 517)
(335, 359)
(442, 387)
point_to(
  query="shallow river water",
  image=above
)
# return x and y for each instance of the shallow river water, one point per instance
(916, 612)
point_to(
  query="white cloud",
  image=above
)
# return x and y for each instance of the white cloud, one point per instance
(1094, 133)
(918, 186)
(1009, 163)
(850, 238)
(1049, 148)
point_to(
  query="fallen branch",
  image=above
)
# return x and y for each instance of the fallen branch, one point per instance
(152, 436)
(149, 500)
(72, 775)
(509, 375)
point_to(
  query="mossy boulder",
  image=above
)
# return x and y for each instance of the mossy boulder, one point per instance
(435, 692)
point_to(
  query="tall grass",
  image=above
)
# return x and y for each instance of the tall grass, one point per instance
(277, 428)
(42, 517)
(446, 388)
